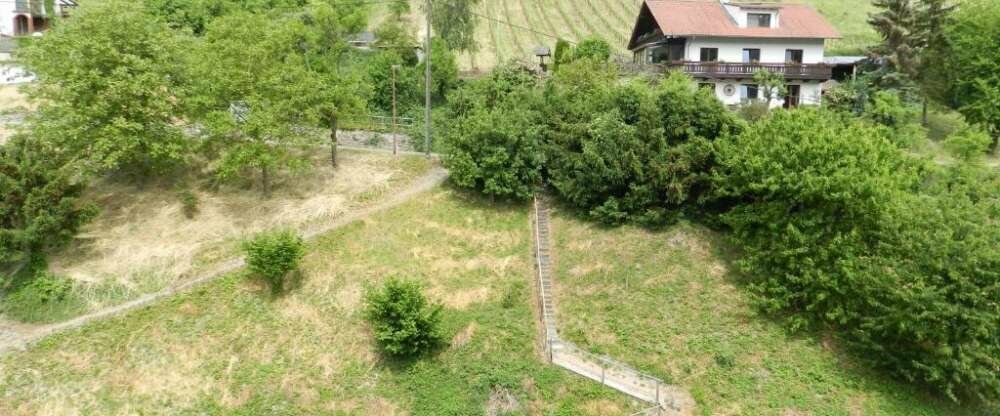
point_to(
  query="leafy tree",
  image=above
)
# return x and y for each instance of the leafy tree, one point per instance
(196, 15)
(454, 22)
(404, 322)
(40, 201)
(932, 18)
(772, 84)
(379, 76)
(444, 76)
(829, 213)
(493, 144)
(255, 93)
(974, 63)
(273, 255)
(110, 85)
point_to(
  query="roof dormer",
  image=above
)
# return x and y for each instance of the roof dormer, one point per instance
(753, 15)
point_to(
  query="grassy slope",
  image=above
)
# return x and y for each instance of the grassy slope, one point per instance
(142, 242)
(668, 303)
(229, 348)
(850, 17)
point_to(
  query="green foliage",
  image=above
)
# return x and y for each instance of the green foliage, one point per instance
(829, 214)
(405, 324)
(110, 81)
(772, 84)
(40, 206)
(444, 70)
(253, 94)
(897, 56)
(593, 48)
(888, 109)
(493, 142)
(45, 296)
(379, 76)
(272, 255)
(455, 23)
(974, 63)
(969, 144)
(629, 151)
(562, 54)
(753, 111)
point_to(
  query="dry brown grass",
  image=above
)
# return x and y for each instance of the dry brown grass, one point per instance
(11, 98)
(143, 232)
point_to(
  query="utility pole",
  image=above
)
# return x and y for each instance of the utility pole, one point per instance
(427, 84)
(395, 136)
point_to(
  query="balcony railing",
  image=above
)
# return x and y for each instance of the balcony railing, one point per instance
(746, 70)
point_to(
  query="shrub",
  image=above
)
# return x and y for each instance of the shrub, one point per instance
(830, 213)
(271, 256)
(593, 48)
(45, 298)
(630, 151)
(968, 144)
(754, 110)
(405, 324)
(40, 206)
(492, 144)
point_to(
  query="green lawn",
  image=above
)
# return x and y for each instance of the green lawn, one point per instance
(669, 303)
(230, 348)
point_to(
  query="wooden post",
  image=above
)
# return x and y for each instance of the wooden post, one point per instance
(395, 140)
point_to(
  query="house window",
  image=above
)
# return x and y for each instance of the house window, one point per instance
(758, 20)
(749, 92)
(793, 56)
(707, 86)
(751, 56)
(709, 54)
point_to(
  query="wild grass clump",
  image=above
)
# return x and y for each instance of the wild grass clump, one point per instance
(46, 298)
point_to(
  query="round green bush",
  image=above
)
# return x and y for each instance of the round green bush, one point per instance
(271, 256)
(404, 322)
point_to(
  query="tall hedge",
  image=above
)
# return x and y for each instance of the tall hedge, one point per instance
(840, 228)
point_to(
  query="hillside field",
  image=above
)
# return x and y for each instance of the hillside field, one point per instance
(510, 29)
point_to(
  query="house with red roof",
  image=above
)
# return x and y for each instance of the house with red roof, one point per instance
(723, 43)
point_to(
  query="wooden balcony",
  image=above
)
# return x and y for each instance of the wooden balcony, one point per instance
(819, 72)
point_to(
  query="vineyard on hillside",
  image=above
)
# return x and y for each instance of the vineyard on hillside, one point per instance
(511, 29)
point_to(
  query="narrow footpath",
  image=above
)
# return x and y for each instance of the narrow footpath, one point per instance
(19, 337)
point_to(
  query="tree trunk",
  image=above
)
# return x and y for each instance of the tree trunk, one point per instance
(265, 181)
(333, 141)
(925, 112)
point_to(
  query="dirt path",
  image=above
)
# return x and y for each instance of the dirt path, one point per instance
(18, 336)
(669, 399)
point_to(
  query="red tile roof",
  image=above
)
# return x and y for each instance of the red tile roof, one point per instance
(709, 18)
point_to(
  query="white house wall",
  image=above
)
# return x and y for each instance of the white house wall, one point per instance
(771, 50)
(811, 92)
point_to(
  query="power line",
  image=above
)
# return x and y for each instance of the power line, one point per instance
(507, 22)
